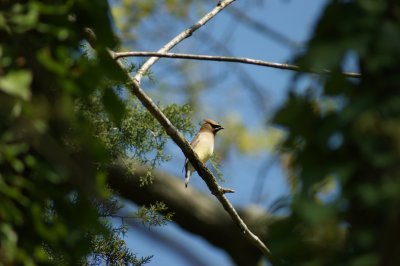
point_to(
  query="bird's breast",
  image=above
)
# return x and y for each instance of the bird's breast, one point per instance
(205, 147)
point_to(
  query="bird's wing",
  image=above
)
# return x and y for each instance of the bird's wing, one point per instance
(195, 141)
(193, 144)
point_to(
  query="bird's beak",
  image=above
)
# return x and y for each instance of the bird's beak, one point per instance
(218, 129)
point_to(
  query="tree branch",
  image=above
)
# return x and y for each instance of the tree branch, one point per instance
(194, 211)
(204, 173)
(242, 60)
(180, 37)
(175, 135)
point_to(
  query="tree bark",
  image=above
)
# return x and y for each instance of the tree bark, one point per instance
(195, 211)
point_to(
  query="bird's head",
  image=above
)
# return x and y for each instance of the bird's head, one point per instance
(211, 125)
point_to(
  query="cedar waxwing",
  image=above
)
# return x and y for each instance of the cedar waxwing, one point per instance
(203, 145)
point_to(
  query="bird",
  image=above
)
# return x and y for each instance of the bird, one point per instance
(203, 145)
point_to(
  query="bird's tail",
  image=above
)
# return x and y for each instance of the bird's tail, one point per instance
(187, 177)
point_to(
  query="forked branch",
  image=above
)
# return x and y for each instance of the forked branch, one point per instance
(181, 36)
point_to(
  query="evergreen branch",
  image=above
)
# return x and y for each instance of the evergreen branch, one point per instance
(242, 60)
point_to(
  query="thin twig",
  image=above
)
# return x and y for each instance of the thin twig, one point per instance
(180, 37)
(242, 60)
(226, 190)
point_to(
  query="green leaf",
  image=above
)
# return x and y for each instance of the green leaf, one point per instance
(17, 83)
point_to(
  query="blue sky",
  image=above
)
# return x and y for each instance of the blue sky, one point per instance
(294, 19)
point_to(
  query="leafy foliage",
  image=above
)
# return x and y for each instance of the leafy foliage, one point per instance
(44, 183)
(63, 117)
(356, 144)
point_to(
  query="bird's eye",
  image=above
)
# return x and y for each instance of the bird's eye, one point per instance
(216, 126)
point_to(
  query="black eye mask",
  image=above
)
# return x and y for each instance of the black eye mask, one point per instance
(217, 127)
